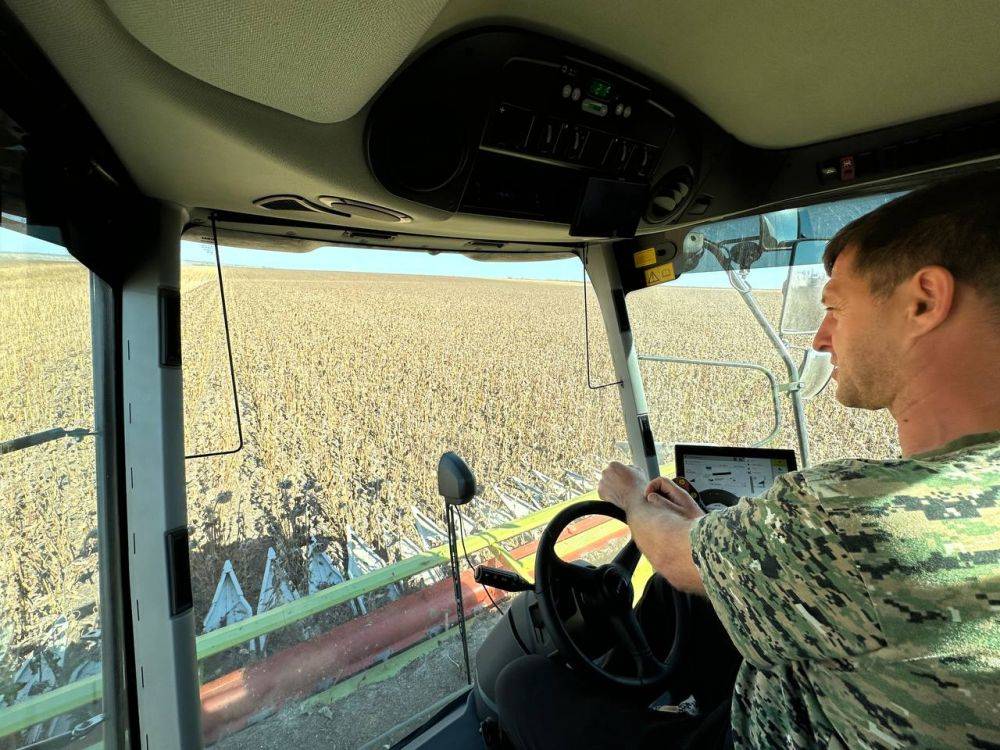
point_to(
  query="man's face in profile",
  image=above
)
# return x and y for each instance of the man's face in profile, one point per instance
(858, 333)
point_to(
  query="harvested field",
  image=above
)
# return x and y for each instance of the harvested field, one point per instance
(350, 388)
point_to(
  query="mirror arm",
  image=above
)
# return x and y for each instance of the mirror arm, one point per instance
(739, 283)
(801, 429)
(39, 438)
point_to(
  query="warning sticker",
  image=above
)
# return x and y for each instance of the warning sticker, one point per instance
(660, 274)
(645, 257)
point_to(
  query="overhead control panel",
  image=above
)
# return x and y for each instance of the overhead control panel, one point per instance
(510, 123)
(513, 124)
(577, 116)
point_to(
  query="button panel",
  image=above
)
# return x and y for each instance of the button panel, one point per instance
(516, 130)
(572, 142)
(594, 107)
(597, 149)
(583, 118)
(619, 155)
(532, 126)
(545, 137)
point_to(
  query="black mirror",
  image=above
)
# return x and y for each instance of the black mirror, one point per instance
(745, 254)
(779, 229)
(456, 482)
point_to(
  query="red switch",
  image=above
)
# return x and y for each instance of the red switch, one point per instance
(846, 168)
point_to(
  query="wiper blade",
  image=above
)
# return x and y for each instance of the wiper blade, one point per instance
(38, 438)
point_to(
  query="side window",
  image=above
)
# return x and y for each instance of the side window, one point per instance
(318, 551)
(711, 343)
(705, 365)
(50, 631)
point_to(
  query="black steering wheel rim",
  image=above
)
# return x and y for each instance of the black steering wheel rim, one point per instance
(611, 583)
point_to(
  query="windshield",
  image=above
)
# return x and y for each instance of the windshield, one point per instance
(355, 370)
(725, 348)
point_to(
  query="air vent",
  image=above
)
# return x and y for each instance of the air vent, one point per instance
(364, 210)
(363, 235)
(295, 203)
(282, 204)
(670, 195)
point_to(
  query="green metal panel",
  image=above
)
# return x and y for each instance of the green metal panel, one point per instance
(48, 705)
(62, 700)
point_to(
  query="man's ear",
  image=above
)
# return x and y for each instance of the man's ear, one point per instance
(930, 296)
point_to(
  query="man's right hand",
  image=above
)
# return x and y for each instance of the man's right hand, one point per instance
(666, 494)
(661, 528)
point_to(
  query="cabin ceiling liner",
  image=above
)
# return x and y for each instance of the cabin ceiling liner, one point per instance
(321, 61)
(773, 74)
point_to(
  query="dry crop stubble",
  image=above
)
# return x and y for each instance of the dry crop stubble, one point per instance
(350, 388)
(689, 403)
(48, 501)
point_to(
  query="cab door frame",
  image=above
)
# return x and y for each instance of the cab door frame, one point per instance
(602, 268)
(169, 704)
(72, 186)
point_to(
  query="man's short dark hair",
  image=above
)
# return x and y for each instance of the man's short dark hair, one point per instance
(954, 223)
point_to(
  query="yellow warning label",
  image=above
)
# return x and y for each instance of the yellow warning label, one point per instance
(645, 257)
(660, 274)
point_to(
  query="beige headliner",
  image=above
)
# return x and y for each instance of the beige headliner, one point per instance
(321, 61)
(155, 76)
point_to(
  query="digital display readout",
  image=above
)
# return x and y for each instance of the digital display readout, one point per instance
(736, 476)
(600, 89)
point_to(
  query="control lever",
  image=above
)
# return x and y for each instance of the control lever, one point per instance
(499, 578)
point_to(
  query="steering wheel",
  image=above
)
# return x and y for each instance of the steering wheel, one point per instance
(608, 589)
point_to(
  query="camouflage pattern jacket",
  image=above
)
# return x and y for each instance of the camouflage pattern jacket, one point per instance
(864, 597)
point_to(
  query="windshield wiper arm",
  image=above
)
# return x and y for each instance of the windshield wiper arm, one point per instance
(65, 739)
(38, 438)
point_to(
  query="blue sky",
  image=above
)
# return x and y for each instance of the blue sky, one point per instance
(370, 260)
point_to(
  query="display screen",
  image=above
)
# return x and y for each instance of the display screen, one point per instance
(600, 89)
(724, 475)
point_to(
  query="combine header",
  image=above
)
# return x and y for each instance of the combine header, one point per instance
(418, 609)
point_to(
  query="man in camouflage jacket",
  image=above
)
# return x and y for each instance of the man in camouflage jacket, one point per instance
(864, 596)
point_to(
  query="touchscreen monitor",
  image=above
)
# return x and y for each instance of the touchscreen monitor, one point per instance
(723, 475)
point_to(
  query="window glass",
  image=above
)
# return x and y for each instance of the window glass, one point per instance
(737, 279)
(49, 608)
(356, 369)
(696, 346)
